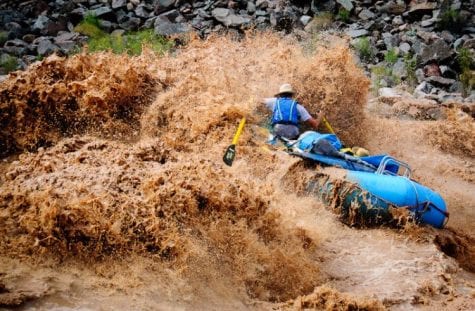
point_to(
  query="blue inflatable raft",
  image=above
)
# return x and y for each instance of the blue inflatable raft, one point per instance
(375, 190)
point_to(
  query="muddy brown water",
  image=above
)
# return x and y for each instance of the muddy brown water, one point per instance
(135, 209)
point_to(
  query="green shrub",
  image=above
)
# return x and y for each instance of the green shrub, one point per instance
(344, 15)
(383, 72)
(364, 48)
(91, 19)
(130, 43)
(466, 62)
(3, 37)
(9, 63)
(451, 20)
(391, 56)
(410, 63)
(90, 30)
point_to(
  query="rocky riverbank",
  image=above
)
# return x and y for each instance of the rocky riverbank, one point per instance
(428, 45)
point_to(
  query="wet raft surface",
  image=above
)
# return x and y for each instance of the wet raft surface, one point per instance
(124, 194)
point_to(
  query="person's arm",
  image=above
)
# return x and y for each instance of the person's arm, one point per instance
(315, 122)
(307, 118)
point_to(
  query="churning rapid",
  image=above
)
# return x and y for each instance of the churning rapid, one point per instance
(114, 195)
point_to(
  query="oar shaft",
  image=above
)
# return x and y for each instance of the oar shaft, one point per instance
(239, 131)
(327, 124)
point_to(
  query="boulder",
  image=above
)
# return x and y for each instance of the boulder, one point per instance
(405, 47)
(397, 21)
(262, 4)
(437, 51)
(45, 48)
(392, 7)
(440, 81)
(428, 22)
(251, 7)
(142, 12)
(417, 10)
(356, 33)
(164, 27)
(40, 23)
(66, 46)
(102, 11)
(228, 18)
(399, 68)
(469, 44)
(66, 36)
(130, 23)
(366, 14)
(305, 19)
(117, 4)
(346, 4)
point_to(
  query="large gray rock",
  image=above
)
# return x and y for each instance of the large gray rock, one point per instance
(405, 47)
(142, 12)
(347, 4)
(440, 81)
(66, 36)
(437, 51)
(45, 48)
(130, 23)
(251, 7)
(228, 18)
(356, 33)
(164, 27)
(102, 11)
(392, 7)
(366, 14)
(305, 19)
(418, 10)
(390, 41)
(117, 4)
(399, 69)
(66, 46)
(469, 44)
(40, 23)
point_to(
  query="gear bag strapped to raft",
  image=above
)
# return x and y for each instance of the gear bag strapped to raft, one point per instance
(285, 112)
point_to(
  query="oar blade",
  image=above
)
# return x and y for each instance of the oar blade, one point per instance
(229, 155)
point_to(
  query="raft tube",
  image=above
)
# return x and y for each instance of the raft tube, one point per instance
(426, 205)
(368, 199)
(372, 186)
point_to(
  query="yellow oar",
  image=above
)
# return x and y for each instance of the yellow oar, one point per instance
(230, 153)
(327, 124)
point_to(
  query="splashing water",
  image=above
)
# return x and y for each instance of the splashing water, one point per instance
(115, 180)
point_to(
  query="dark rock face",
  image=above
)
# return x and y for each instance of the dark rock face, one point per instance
(428, 32)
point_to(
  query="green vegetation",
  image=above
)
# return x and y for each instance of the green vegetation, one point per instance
(451, 20)
(380, 73)
(364, 48)
(90, 27)
(3, 37)
(8, 63)
(130, 43)
(391, 56)
(411, 65)
(466, 62)
(344, 15)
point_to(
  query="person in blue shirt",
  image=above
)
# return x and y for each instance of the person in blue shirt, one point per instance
(287, 113)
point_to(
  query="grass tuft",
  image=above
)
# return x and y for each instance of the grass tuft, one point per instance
(8, 63)
(130, 43)
(364, 49)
